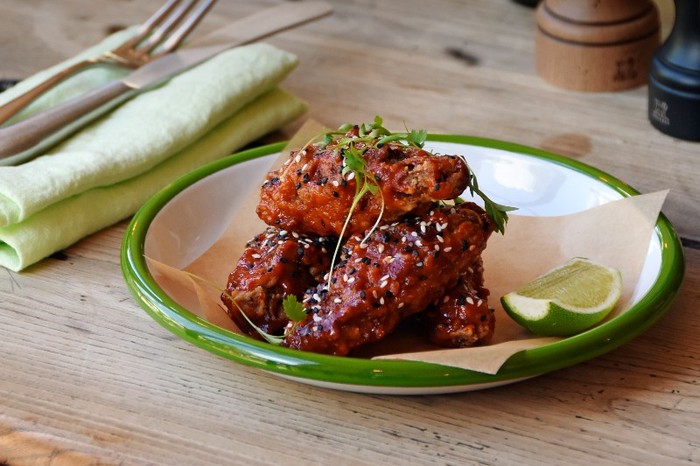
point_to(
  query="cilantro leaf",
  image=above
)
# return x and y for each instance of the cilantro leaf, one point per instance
(293, 308)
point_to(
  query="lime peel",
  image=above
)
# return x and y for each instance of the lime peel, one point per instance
(566, 300)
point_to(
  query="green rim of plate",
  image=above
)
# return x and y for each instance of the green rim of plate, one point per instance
(388, 373)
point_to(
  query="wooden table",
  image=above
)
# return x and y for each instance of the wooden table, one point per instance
(88, 378)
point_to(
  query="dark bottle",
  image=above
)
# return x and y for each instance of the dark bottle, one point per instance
(674, 77)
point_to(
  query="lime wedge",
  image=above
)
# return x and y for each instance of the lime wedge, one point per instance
(566, 300)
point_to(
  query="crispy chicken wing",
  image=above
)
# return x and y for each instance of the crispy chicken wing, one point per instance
(462, 317)
(309, 194)
(398, 271)
(274, 264)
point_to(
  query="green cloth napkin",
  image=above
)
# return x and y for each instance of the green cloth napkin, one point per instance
(105, 172)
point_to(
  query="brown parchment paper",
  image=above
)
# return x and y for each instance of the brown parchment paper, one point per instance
(616, 234)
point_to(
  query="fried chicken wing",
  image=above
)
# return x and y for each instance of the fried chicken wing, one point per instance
(462, 317)
(274, 264)
(398, 271)
(309, 193)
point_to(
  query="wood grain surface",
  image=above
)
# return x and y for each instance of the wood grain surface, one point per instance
(87, 378)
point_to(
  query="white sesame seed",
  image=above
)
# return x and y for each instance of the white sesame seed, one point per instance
(352, 279)
(295, 235)
(256, 256)
(304, 167)
(448, 249)
(335, 183)
(317, 318)
(383, 284)
(374, 293)
(381, 300)
(472, 247)
(380, 248)
(297, 159)
(470, 300)
(337, 300)
(400, 305)
(414, 233)
(384, 278)
(437, 247)
(363, 245)
(351, 176)
(439, 238)
(445, 299)
(419, 243)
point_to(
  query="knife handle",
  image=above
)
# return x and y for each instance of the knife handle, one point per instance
(27, 133)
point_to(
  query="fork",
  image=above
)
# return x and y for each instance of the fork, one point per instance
(160, 34)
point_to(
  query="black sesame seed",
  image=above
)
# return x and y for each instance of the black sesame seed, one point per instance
(461, 301)
(465, 245)
(363, 295)
(389, 294)
(335, 194)
(366, 260)
(436, 254)
(436, 187)
(284, 260)
(306, 177)
(376, 305)
(298, 186)
(482, 318)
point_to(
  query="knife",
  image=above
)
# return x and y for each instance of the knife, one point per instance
(18, 140)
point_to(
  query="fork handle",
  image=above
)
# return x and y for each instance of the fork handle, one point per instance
(27, 133)
(11, 108)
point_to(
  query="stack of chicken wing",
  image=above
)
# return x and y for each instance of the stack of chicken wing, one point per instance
(402, 252)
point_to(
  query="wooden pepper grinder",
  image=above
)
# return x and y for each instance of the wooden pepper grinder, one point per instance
(596, 45)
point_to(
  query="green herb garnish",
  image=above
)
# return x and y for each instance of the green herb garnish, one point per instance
(497, 212)
(293, 308)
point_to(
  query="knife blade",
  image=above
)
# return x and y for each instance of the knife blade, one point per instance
(21, 140)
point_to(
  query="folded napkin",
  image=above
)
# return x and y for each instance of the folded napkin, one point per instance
(106, 171)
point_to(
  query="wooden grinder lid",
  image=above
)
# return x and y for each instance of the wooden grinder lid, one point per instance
(596, 45)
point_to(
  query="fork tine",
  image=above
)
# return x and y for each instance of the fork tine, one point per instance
(145, 29)
(166, 26)
(186, 28)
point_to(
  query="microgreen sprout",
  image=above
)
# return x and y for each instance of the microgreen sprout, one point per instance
(497, 212)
